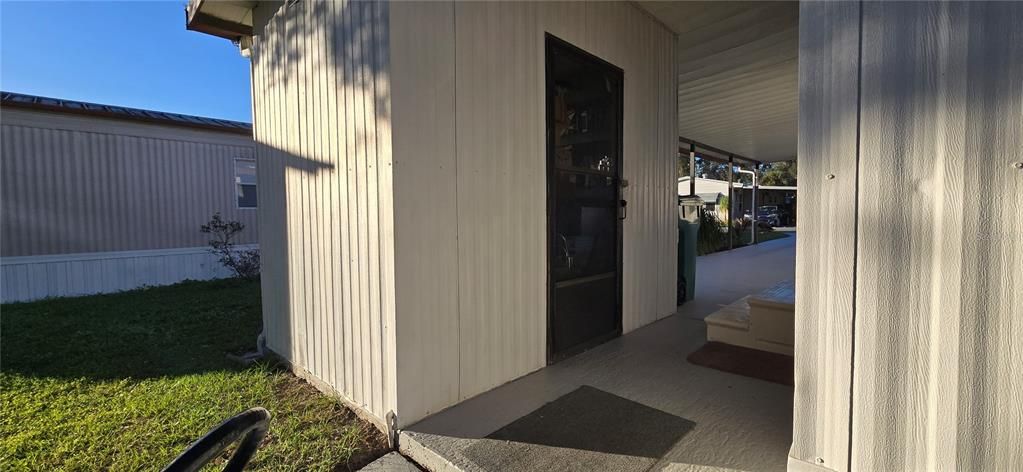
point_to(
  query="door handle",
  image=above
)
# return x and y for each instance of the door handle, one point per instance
(622, 211)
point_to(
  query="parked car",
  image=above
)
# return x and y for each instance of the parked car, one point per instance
(772, 215)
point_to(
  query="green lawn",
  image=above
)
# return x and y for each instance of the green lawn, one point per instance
(127, 381)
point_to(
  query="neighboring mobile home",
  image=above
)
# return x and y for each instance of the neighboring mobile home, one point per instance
(100, 198)
(741, 197)
(443, 191)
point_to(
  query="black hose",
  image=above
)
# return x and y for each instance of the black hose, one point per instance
(251, 426)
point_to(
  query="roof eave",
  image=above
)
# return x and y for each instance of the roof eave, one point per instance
(198, 19)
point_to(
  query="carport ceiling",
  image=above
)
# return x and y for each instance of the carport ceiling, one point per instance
(738, 86)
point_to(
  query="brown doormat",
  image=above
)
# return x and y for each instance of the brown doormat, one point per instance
(744, 361)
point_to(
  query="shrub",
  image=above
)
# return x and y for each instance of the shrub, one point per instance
(741, 226)
(711, 235)
(243, 263)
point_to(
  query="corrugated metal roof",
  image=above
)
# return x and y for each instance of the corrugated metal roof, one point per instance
(22, 100)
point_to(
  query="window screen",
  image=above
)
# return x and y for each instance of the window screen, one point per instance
(245, 182)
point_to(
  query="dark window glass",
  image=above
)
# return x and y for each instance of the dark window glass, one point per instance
(245, 182)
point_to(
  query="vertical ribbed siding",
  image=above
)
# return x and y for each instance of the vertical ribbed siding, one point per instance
(462, 270)
(501, 193)
(426, 225)
(470, 185)
(935, 221)
(73, 184)
(828, 70)
(937, 381)
(322, 121)
(64, 275)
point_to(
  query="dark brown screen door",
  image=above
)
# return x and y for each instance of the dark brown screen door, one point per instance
(584, 131)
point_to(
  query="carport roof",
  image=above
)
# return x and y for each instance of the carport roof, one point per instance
(738, 74)
(737, 63)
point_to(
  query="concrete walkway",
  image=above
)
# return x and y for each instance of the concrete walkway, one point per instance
(632, 404)
(724, 277)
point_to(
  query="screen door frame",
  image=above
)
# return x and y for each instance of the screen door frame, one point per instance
(551, 43)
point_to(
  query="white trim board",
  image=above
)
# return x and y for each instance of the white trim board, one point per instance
(27, 278)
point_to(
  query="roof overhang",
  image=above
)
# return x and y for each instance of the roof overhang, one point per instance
(738, 84)
(226, 19)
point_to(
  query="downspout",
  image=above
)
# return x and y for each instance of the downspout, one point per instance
(753, 204)
(753, 231)
(692, 169)
(731, 201)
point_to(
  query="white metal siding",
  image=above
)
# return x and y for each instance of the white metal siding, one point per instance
(463, 267)
(939, 310)
(934, 382)
(321, 112)
(828, 66)
(66, 275)
(470, 184)
(426, 226)
(74, 184)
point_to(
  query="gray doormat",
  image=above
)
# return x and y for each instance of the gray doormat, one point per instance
(586, 429)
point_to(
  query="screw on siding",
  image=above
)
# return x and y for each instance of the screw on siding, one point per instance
(1018, 165)
(819, 460)
(830, 176)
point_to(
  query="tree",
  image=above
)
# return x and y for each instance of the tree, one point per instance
(683, 165)
(779, 173)
(705, 168)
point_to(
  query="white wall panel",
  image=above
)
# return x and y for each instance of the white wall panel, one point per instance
(426, 226)
(470, 184)
(925, 98)
(939, 314)
(322, 119)
(447, 284)
(30, 278)
(825, 252)
(501, 187)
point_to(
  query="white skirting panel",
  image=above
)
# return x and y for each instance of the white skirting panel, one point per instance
(64, 275)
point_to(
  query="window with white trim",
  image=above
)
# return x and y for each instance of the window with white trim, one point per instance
(245, 182)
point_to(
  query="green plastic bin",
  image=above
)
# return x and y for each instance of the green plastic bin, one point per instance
(689, 209)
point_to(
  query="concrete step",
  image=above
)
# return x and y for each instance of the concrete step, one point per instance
(735, 316)
(762, 321)
(773, 315)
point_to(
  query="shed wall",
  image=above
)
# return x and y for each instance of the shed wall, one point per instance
(322, 126)
(930, 305)
(470, 184)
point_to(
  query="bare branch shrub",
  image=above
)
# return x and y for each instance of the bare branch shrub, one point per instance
(243, 263)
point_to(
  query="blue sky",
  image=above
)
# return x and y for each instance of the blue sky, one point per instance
(135, 54)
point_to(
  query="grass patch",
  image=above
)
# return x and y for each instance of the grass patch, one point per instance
(719, 242)
(127, 381)
(763, 236)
